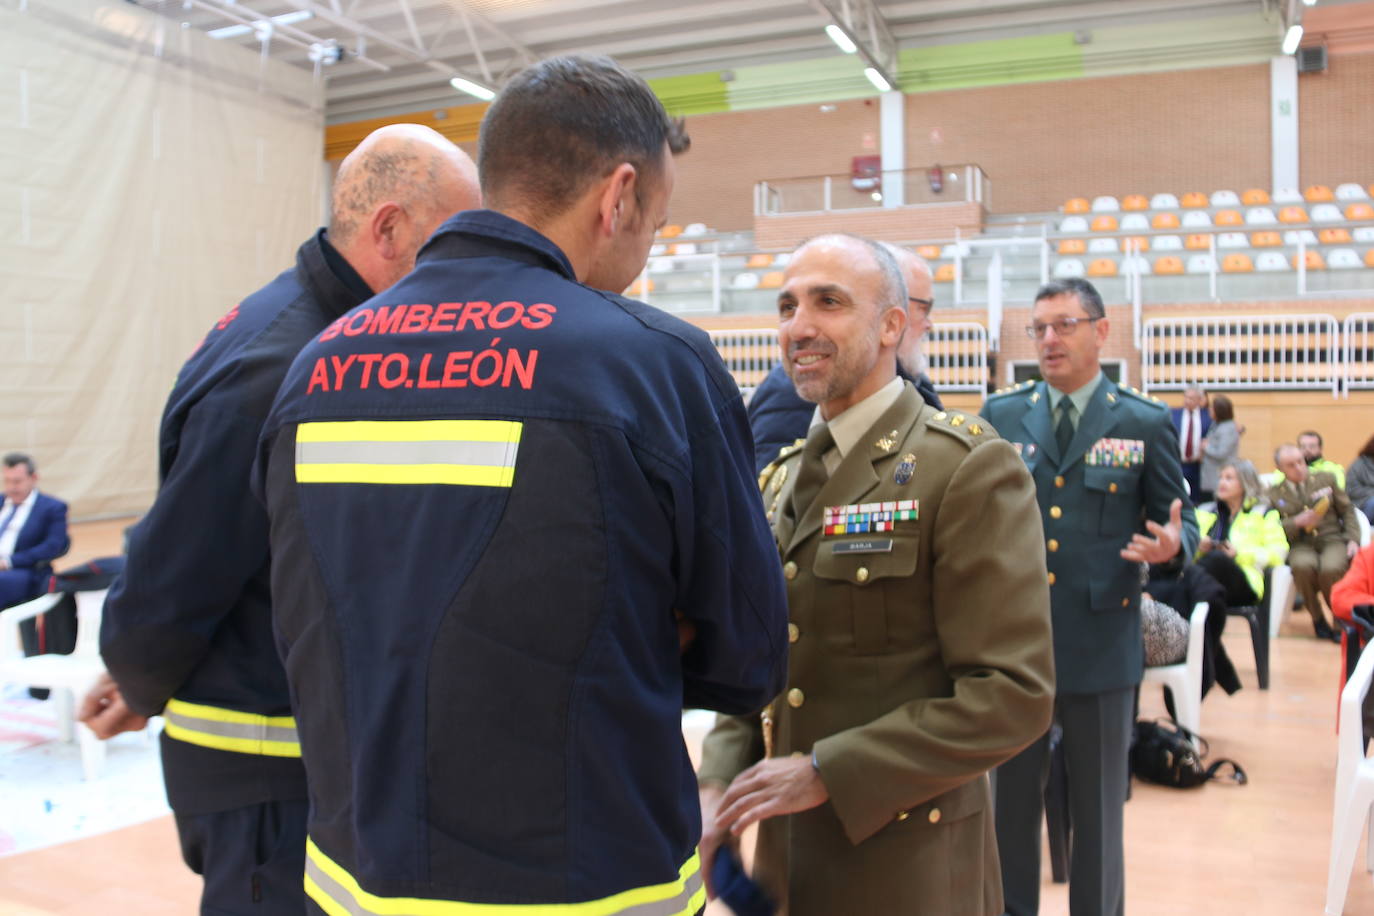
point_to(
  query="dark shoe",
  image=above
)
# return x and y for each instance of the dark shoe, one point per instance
(1325, 632)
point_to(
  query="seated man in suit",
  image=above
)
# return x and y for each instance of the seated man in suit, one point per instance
(777, 414)
(33, 532)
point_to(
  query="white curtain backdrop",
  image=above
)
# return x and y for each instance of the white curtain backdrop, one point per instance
(150, 177)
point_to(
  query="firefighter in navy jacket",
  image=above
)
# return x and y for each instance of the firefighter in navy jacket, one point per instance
(187, 628)
(500, 498)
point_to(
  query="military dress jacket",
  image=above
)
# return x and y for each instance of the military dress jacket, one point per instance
(1338, 522)
(920, 659)
(1121, 467)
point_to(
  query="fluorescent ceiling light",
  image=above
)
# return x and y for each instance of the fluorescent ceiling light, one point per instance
(1292, 39)
(838, 36)
(471, 88)
(877, 80)
(234, 31)
(1309, 2)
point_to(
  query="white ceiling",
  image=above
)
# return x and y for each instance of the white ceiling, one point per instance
(398, 55)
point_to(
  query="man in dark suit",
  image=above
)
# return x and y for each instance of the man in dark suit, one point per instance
(1192, 422)
(1105, 463)
(777, 414)
(33, 532)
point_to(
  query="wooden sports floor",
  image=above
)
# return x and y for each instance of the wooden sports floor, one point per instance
(1256, 850)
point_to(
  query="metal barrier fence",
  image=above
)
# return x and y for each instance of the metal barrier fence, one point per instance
(956, 352)
(1358, 334)
(1243, 351)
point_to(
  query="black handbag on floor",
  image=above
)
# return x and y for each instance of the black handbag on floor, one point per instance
(1168, 754)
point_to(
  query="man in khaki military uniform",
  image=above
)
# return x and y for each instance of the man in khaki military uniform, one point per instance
(921, 651)
(1323, 533)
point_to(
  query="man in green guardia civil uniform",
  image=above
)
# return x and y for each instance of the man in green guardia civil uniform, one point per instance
(1105, 460)
(919, 623)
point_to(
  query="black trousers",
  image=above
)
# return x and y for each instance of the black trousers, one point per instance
(1232, 578)
(252, 858)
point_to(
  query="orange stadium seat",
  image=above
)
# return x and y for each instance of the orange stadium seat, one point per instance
(1229, 218)
(640, 287)
(1072, 246)
(1140, 242)
(945, 273)
(1169, 264)
(1077, 205)
(1334, 236)
(1359, 211)
(759, 260)
(1318, 194)
(1293, 214)
(1255, 197)
(1194, 199)
(1237, 264)
(1314, 260)
(1102, 267)
(1165, 221)
(1369, 258)
(929, 252)
(1198, 242)
(1266, 239)
(1104, 223)
(1135, 202)
(1371, 190)
(771, 280)
(670, 232)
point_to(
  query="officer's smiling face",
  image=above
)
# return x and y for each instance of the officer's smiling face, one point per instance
(838, 346)
(1068, 361)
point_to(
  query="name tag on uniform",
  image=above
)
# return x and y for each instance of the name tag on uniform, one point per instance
(882, 545)
(1116, 453)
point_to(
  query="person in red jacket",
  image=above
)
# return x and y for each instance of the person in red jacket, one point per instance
(1356, 587)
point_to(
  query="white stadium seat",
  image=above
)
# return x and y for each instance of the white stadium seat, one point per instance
(1104, 246)
(1351, 191)
(1233, 240)
(1363, 234)
(746, 280)
(963, 249)
(1202, 264)
(1260, 216)
(1167, 243)
(1106, 204)
(1288, 196)
(1164, 202)
(1225, 199)
(1197, 219)
(1343, 259)
(1327, 213)
(1300, 237)
(693, 230)
(1271, 261)
(1135, 222)
(1068, 267)
(1136, 264)
(1073, 224)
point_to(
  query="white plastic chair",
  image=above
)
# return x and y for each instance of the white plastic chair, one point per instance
(1343, 259)
(1327, 213)
(1233, 240)
(964, 249)
(1363, 234)
(1068, 225)
(1288, 196)
(1351, 191)
(1135, 222)
(1271, 261)
(746, 280)
(1202, 264)
(1364, 528)
(1106, 204)
(1104, 246)
(1281, 595)
(67, 676)
(685, 248)
(1300, 236)
(1354, 788)
(1164, 202)
(1185, 678)
(1167, 243)
(1225, 199)
(1260, 216)
(693, 230)
(1197, 219)
(1068, 267)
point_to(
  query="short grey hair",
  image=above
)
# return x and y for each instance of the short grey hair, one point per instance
(892, 288)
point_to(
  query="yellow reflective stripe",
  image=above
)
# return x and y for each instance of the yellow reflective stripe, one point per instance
(231, 730)
(641, 900)
(473, 453)
(470, 475)
(410, 431)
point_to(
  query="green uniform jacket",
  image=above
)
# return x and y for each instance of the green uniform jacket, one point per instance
(920, 660)
(1339, 522)
(1121, 467)
(1275, 477)
(1258, 538)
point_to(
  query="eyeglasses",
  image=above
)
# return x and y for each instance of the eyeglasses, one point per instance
(925, 304)
(1063, 327)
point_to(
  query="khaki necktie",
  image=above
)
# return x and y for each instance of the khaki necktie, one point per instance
(811, 476)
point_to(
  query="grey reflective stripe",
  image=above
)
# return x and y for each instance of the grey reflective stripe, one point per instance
(493, 454)
(233, 729)
(341, 897)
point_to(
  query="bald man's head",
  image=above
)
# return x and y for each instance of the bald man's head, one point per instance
(390, 195)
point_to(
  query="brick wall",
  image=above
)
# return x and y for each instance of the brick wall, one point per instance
(1334, 110)
(933, 221)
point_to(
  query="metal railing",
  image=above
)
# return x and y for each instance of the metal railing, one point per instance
(956, 355)
(1243, 351)
(965, 183)
(1358, 334)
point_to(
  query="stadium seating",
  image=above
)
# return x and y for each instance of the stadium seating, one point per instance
(694, 230)
(1266, 239)
(670, 232)
(1318, 193)
(1102, 267)
(1300, 237)
(1169, 264)
(1077, 205)
(757, 261)
(1369, 258)
(1198, 241)
(771, 280)
(1334, 236)
(1136, 243)
(1202, 264)
(1164, 202)
(1343, 259)
(1357, 211)
(1237, 263)
(1351, 191)
(945, 273)
(1135, 222)
(1230, 218)
(1068, 267)
(1233, 240)
(1135, 202)
(1197, 219)
(1104, 223)
(1288, 196)
(1313, 259)
(1136, 264)
(1255, 197)
(1225, 199)
(1165, 221)
(1106, 204)
(929, 252)
(1327, 213)
(1271, 261)
(746, 280)
(1363, 234)
(1193, 200)
(1168, 243)
(1072, 246)
(1260, 216)
(1104, 246)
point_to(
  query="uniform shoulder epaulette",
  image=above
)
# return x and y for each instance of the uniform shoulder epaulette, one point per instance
(966, 427)
(1142, 396)
(1012, 389)
(771, 469)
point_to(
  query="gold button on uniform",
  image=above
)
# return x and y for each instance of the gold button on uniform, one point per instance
(790, 570)
(793, 632)
(1125, 602)
(1055, 512)
(903, 815)
(795, 698)
(1052, 544)
(934, 815)
(1051, 578)
(1111, 488)
(1059, 482)
(862, 574)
